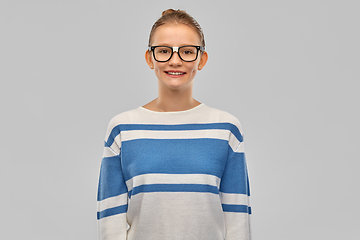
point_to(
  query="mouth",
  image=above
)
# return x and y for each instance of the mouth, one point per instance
(175, 73)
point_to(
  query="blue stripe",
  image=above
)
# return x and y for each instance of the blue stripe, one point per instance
(178, 127)
(112, 211)
(236, 208)
(174, 156)
(235, 177)
(111, 180)
(174, 188)
(107, 145)
(114, 132)
(247, 180)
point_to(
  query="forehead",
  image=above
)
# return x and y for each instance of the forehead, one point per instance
(175, 35)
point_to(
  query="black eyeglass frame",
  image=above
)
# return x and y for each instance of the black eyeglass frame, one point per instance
(176, 49)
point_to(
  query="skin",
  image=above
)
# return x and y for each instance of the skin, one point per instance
(174, 92)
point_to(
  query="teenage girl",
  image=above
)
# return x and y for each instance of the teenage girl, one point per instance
(174, 169)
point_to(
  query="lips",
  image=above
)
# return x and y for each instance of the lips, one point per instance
(175, 73)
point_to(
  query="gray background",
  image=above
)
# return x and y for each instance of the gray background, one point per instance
(289, 70)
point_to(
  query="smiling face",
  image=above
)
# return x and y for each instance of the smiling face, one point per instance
(175, 73)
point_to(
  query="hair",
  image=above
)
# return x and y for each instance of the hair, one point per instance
(177, 16)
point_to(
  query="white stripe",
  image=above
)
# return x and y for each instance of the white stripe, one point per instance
(205, 115)
(112, 202)
(234, 199)
(233, 142)
(238, 224)
(208, 133)
(108, 152)
(112, 227)
(147, 179)
(178, 211)
(116, 145)
(240, 148)
(222, 134)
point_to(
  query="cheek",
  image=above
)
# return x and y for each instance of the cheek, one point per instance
(194, 69)
(157, 72)
(158, 68)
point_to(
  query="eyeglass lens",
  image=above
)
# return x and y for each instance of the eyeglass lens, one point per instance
(186, 53)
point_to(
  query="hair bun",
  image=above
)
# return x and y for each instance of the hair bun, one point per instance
(170, 11)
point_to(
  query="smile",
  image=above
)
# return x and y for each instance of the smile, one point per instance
(175, 73)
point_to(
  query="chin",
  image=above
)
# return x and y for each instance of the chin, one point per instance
(177, 86)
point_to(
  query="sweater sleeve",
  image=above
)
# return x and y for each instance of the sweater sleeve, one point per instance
(234, 194)
(112, 191)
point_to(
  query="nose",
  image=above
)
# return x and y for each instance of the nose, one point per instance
(175, 59)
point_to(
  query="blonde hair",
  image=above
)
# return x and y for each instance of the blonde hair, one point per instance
(177, 16)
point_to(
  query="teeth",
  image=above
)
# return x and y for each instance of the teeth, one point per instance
(175, 73)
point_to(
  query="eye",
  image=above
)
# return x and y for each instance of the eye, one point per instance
(188, 51)
(163, 50)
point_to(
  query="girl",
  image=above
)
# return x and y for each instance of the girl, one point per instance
(174, 169)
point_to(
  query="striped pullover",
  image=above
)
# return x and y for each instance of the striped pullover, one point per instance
(174, 176)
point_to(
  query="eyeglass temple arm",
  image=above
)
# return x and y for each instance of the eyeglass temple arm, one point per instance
(176, 49)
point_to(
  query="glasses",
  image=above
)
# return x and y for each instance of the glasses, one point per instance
(188, 53)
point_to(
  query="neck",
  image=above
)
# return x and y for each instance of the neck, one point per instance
(174, 104)
(170, 100)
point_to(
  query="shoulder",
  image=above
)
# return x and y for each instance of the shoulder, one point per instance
(121, 118)
(222, 116)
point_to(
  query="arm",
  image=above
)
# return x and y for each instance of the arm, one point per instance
(234, 194)
(112, 193)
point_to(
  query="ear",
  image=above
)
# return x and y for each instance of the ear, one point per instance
(149, 59)
(203, 60)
